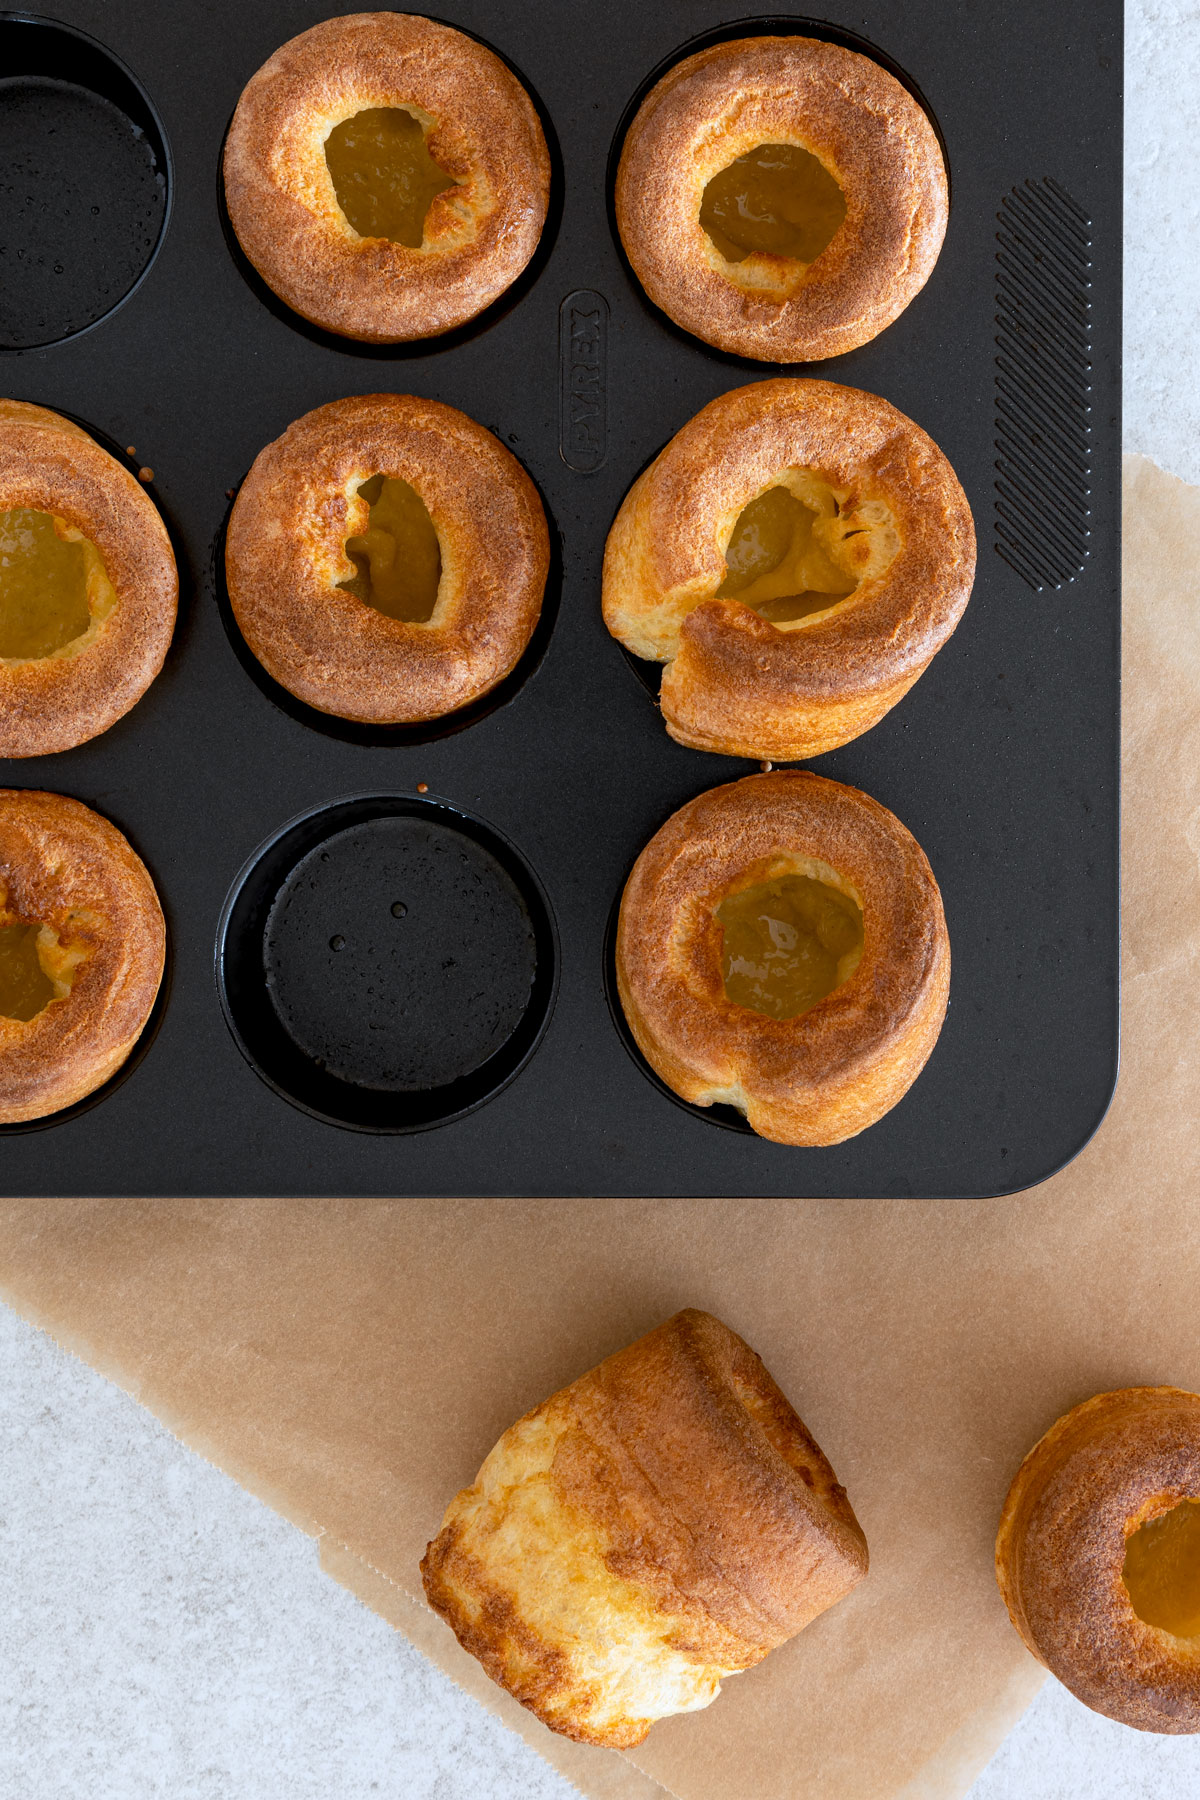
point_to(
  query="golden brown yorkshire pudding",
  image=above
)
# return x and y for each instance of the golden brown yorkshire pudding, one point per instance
(82, 943)
(88, 586)
(782, 948)
(1098, 1555)
(663, 1522)
(781, 197)
(386, 559)
(796, 556)
(387, 176)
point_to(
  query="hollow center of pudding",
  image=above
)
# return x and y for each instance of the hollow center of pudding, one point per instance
(25, 988)
(776, 199)
(398, 558)
(780, 558)
(383, 175)
(788, 943)
(1162, 1570)
(43, 584)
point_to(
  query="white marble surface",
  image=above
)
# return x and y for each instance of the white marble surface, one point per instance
(163, 1634)
(1162, 232)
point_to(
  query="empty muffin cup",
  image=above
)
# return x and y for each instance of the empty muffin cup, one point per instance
(387, 963)
(88, 175)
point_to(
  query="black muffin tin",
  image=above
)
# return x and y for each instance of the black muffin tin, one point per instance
(323, 882)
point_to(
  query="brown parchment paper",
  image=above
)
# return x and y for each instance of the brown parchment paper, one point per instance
(352, 1362)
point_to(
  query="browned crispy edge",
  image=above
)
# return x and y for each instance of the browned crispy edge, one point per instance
(56, 856)
(49, 465)
(738, 685)
(487, 135)
(828, 1074)
(859, 120)
(1100, 1471)
(327, 647)
(754, 1525)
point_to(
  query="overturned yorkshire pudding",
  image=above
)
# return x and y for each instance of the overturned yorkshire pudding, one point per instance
(387, 176)
(796, 556)
(660, 1524)
(82, 943)
(1098, 1555)
(88, 586)
(386, 559)
(781, 197)
(782, 949)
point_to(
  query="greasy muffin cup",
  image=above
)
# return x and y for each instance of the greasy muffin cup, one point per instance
(1098, 1555)
(782, 198)
(88, 585)
(386, 559)
(387, 176)
(782, 949)
(796, 556)
(661, 1523)
(82, 944)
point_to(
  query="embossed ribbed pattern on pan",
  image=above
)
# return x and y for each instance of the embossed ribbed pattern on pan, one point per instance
(1043, 384)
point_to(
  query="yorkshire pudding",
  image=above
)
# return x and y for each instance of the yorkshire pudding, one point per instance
(88, 586)
(1098, 1555)
(387, 176)
(796, 556)
(782, 949)
(781, 197)
(386, 559)
(82, 942)
(663, 1522)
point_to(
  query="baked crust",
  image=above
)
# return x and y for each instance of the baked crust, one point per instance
(661, 1523)
(285, 554)
(827, 1074)
(482, 129)
(65, 867)
(736, 683)
(51, 703)
(1104, 1469)
(858, 121)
